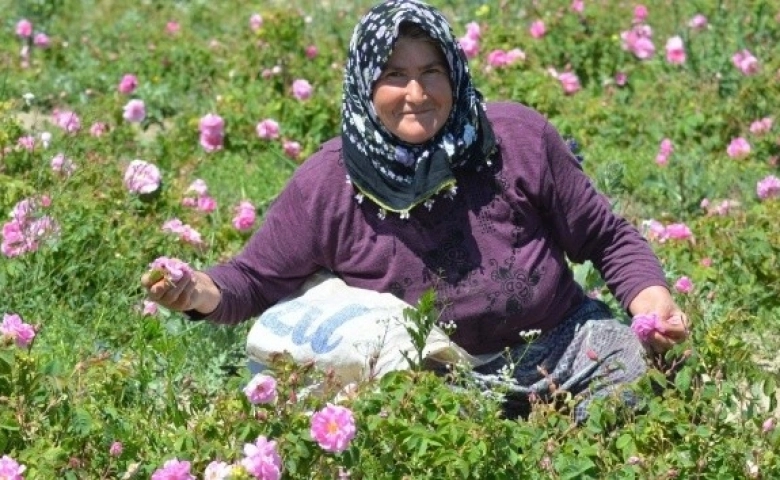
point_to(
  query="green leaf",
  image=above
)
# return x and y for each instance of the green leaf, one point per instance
(683, 380)
(574, 468)
(81, 422)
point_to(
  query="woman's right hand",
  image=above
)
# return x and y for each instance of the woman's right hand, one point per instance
(193, 291)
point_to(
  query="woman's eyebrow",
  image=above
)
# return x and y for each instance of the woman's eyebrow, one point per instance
(435, 63)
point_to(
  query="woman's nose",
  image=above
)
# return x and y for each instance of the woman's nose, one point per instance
(415, 92)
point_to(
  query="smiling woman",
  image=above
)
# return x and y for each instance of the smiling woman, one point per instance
(482, 202)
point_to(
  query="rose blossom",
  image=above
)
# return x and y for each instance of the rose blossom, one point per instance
(301, 89)
(217, 471)
(212, 132)
(333, 428)
(645, 325)
(745, 62)
(268, 129)
(15, 329)
(174, 469)
(639, 41)
(738, 148)
(570, 82)
(66, 120)
(10, 469)
(41, 40)
(675, 51)
(98, 129)
(473, 30)
(24, 28)
(128, 84)
(255, 22)
(173, 268)
(469, 45)
(311, 52)
(698, 22)
(142, 177)
(768, 188)
(61, 164)
(261, 389)
(172, 28)
(291, 149)
(640, 13)
(262, 460)
(538, 29)
(245, 216)
(683, 285)
(116, 449)
(134, 111)
(760, 127)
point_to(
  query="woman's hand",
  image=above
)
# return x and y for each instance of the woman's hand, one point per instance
(674, 323)
(193, 291)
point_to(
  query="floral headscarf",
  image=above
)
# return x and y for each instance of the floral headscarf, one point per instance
(394, 174)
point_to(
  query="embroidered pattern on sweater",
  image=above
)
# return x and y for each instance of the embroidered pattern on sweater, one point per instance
(515, 287)
(398, 287)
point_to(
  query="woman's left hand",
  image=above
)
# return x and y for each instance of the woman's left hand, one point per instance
(674, 326)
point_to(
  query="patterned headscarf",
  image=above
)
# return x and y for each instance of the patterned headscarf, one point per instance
(394, 174)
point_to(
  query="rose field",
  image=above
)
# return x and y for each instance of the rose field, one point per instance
(136, 132)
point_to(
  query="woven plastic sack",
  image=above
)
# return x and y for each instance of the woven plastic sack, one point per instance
(344, 328)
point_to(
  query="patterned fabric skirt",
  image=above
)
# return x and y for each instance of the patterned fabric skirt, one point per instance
(590, 354)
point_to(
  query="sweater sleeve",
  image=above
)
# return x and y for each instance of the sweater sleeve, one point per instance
(275, 262)
(585, 226)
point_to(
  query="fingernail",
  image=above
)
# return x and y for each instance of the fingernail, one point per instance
(674, 321)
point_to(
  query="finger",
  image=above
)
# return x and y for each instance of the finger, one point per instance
(185, 300)
(157, 290)
(676, 327)
(174, 295)
(660, 343)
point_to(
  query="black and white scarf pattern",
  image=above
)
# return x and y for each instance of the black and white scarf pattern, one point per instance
(394, 174)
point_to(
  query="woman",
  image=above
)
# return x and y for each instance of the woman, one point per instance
(481, 202)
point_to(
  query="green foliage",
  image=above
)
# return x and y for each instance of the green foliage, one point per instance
(101, 371)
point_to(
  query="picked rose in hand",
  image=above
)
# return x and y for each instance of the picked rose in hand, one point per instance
(170, 269)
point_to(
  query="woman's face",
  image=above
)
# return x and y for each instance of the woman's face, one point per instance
(413, 96)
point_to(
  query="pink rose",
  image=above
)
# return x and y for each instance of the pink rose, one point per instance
(675, 51)
(469, 45)
(640, 13)
(570, 82)
(301, 89)
(698, 22)
(291, 149)
(24, 28)
(645, 325)
(760, 127)
(261, 389)
(268, 129)
(683, 285)
(768, 188)
(245, 216)
(738, 148)
(745, 62)
(41, 40)
(142, 177)
(212, 132)
(255, 22)
(538, 29)
(134, 111)
(128, 84)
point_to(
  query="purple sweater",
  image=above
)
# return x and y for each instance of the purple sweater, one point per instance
(495, 253)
